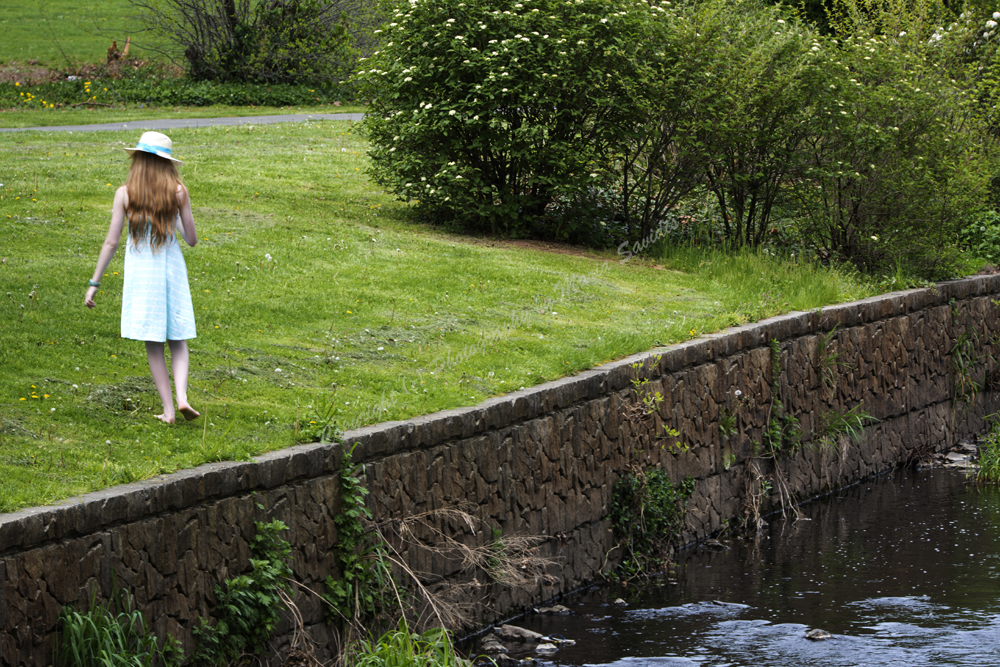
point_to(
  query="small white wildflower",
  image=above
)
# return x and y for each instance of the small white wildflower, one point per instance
(452, 112)
(410, 78)
(738, 393)
(902, 34)
(991, 24)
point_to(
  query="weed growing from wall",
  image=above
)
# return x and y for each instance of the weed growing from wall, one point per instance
(360, 557)
(647, 513)
(783, 436)
(248, 606)
(111, 634)
(646, 403)
(988, 470)
(965, 363)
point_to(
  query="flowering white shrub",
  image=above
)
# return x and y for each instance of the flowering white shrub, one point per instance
(483, 111)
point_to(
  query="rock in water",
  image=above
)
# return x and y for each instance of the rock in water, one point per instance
(620, 602)
(557, 609)
(491, 644)
(546, 649)
(513, 633)
(817, 635)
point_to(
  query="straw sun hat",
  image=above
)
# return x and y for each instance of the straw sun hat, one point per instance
(155, 143)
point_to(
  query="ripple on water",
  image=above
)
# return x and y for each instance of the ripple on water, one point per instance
(914, 604)
(901, 570)
(663, 661)
(714, 608)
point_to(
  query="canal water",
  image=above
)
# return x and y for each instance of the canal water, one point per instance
(902, 570)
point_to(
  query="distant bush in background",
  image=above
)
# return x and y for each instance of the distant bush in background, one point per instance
(270, 41)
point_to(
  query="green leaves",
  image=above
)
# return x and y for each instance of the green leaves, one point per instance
(285, 41)
(483, 111)
(111, 635)
(248, 606)
(647, 514)
(360, 555)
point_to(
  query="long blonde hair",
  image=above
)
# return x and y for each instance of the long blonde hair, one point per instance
(152, 198)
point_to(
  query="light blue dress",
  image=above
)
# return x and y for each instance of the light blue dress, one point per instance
(156, 299)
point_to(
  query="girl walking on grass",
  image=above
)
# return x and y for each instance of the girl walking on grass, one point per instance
(156, 299)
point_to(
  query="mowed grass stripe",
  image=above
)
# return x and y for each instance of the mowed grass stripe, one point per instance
(313, 290)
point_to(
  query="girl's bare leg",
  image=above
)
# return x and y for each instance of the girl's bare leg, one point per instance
(161, 378)
(179, 364)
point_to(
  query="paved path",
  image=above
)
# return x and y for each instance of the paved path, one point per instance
(172, 123)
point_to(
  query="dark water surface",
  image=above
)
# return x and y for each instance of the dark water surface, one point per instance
(902, 570)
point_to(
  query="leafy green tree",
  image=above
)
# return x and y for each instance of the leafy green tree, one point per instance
(765, 72)
(665, 154)
(271, 41)
(895, 160)
(485, 110)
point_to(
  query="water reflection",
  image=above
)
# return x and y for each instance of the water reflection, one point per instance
(901, 570)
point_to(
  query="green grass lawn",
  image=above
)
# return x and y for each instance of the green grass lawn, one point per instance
(18, 117)
(315, 297)
(66, 33)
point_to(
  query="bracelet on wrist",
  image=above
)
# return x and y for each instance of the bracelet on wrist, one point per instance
(93, 283)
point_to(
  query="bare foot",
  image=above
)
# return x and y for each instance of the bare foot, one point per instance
(188, 412)
(165, 419)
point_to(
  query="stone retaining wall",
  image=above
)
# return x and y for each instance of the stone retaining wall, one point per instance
(541, 461)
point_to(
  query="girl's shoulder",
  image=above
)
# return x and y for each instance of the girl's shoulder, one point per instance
(122, 195)
(182, 194)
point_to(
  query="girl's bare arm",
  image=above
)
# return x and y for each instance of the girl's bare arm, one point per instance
(187, 229)
(110, 244)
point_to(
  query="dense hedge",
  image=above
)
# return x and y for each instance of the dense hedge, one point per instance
(141, 88)
(618, 122)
